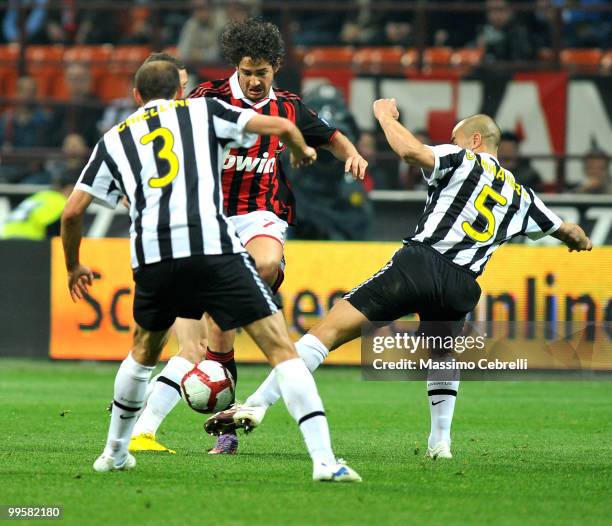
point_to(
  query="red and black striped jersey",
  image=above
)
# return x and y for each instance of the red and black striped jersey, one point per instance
(253, 179)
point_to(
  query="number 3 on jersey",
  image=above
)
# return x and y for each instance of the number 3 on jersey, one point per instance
(166, 153)
(480, 205)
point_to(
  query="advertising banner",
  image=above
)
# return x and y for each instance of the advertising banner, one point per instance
(520, 284)
(553, 114)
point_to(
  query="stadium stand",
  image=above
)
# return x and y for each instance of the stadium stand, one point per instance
(143, 29)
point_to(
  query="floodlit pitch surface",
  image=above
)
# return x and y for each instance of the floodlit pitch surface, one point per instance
(525, 453)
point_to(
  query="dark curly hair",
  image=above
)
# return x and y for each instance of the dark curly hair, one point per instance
(252, 38)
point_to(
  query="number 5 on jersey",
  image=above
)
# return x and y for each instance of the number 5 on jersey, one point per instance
(166, 153)
(481, 206)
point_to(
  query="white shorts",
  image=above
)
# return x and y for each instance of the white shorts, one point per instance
(260, 223)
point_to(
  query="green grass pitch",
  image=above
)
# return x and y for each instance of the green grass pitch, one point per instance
(525, 453)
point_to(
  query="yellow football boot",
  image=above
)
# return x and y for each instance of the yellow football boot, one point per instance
(147, 442)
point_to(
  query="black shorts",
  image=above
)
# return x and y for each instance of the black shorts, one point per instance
(227, 287)
(419, 280)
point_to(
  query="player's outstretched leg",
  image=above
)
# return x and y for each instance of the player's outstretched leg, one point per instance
(342, 324)
(221, 350)
(442, 388)
(298, 389)
(442, 383)
(269, 262)
(166, 391)
(130, 388)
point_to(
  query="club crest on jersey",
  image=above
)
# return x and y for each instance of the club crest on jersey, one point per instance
(469, 155)
(244, 163)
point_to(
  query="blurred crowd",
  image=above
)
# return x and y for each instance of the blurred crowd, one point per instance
(195, 26)
(504, 33)
(74, 126)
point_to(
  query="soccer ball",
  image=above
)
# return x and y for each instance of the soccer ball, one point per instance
(208, 387)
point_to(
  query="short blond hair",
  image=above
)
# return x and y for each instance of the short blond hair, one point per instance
(483, 124)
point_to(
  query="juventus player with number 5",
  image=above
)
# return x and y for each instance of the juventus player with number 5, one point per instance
(473, 207)
(186, 256)
(258, 201)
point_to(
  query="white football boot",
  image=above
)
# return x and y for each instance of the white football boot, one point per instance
(105, 463)
(249, 416)
(338, 472)
(440, 450)
(237, 417)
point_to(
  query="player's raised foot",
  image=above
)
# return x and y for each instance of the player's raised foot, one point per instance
(440, 450)
(227, 444)
(236, 417)
(338, 472)
(147, 442)
(105, 463)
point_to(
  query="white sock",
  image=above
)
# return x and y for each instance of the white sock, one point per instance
(165, 395)
(130, 387)
(150, 387)
(442, 395)
(304, 404)
(310, 349)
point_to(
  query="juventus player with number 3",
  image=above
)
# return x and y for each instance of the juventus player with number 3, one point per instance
(257, 199)
(473, 207)
(186, 255)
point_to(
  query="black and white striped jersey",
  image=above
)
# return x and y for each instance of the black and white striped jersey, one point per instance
(174, 188)
(474, 206)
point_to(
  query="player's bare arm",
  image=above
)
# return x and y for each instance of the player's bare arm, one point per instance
(403, 143)
(301, 153)
(574, 237)
(79, 276)
(344, 150)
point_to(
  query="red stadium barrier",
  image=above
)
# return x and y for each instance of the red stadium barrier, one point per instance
(9, 58)
(581, 60)
(329, 57)
(379, 59)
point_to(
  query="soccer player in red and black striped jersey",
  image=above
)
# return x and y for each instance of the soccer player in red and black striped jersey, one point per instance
(253, 179)
(257, 199)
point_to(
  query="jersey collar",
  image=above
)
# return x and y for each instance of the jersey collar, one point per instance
(237, 93)
(155, 102)
(491, 155)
